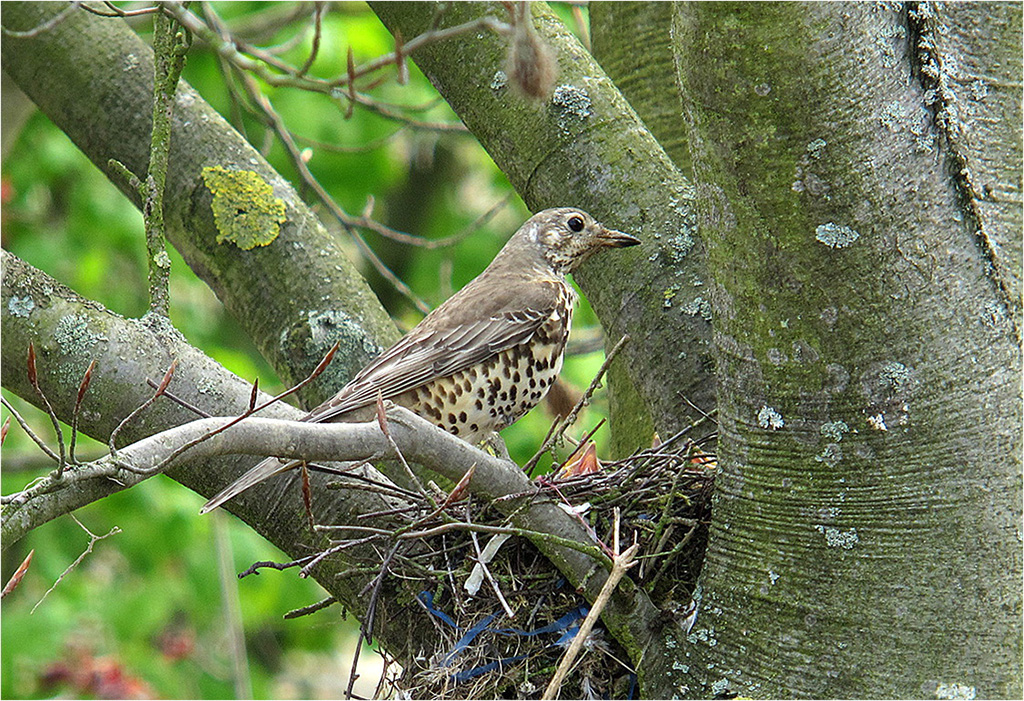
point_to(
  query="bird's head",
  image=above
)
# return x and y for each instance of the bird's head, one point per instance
(564, 237)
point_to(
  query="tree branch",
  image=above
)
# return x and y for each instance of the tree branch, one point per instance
(284, 293)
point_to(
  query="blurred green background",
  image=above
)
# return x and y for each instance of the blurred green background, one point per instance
(145, 612)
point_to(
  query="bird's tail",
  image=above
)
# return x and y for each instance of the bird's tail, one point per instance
(265, 469)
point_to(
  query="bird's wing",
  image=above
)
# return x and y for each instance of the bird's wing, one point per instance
(432, 353)
(419, 357)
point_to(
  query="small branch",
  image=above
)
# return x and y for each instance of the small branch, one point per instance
(312, 608)
(382, 421)
(318, 15)
(366, 629)
(29, 432)
(231, 50)
(347, 221)
(620, 564)
(115, 11)
(365, 222)
(45, 26)
(93, 539)
(33, 378)
(112, 443)
(169, 48)
(317, 371)
(255, 567)
(121, 170)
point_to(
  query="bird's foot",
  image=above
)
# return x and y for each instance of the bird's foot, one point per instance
(496, 443)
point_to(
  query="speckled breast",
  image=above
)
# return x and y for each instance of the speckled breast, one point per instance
(496, 393)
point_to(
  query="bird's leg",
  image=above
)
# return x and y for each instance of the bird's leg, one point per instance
(496, 443)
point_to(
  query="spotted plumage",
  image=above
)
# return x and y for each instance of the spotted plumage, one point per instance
(486, 356)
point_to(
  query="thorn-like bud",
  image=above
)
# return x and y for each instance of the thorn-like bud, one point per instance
(33, 378)
(254, 393)
(83, 386)
(325, 361)
(167, 378)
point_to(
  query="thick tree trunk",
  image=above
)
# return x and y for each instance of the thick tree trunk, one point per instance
(866, 534)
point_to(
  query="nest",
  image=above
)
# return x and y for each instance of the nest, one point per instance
(663, 499)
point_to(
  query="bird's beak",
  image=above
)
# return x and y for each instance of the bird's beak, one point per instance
(615, 239)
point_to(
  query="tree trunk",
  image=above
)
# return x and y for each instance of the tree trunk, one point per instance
(866, 532)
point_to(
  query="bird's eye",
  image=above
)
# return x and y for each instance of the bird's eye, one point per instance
(576, 224)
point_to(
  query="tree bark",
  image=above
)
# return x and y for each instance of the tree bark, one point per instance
(865, 540)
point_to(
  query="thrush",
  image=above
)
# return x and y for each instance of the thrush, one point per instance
(486, 356)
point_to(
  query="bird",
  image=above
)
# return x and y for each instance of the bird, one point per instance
(487, 355)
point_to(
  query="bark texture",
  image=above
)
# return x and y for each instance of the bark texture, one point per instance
(865, 540)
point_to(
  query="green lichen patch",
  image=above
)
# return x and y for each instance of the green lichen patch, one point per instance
(245, 211)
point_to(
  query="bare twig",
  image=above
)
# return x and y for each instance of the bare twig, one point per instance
(318, 15)
(344, 218)
(93, 539)
(255, 567)
(366, 629)
(188, 406)
(45, 26)
(366, 222)
(232, 51)
(382, 421)
(28, 431)
(111, 443)
(317, 371)
(622, 562)
(361, 148)
(115, 11)
(33, 379)
(312, 608)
